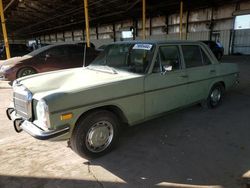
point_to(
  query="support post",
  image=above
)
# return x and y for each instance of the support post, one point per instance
(5, 36)
(211, 24)
(49, 38)
(150, 25)
(63, 36)
(72, 35)
(181, 17)
(232, 35)
(167, 24)
(135, 25)
(86, 11)
(114, 32)
(97, 32)
(187, 24)
(143, 19)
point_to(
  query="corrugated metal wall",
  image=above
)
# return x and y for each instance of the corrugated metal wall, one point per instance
(241, 43)
(225, 36)
(163, 27)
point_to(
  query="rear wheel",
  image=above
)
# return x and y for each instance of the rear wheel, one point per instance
(25, 72)
(96, 134)
(215, 96)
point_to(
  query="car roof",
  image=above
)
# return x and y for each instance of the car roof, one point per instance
(69, 43)
(44, 48)
(158, 42)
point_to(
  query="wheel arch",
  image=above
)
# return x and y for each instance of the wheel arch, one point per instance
(217, 82)
(111, 108)
(222, 83)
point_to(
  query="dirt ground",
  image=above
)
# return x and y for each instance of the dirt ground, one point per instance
(194, 146)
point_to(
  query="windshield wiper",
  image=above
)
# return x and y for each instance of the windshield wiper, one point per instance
(102, 68)
(111, 69)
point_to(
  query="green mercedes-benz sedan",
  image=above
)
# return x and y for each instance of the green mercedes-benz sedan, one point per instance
(128, 83)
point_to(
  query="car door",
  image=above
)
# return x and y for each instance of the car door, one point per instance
(55, 58)
(76, 55)
(165, 87)
(199, 70)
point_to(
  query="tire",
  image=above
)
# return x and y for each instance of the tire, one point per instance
(215, 96)
(219, 56)
(95, 134)
(25, 72)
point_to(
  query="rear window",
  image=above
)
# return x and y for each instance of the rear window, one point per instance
(192, 56)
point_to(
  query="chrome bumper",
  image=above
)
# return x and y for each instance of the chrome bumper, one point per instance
(29, 127)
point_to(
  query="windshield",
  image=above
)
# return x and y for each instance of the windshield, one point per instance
(134, 58)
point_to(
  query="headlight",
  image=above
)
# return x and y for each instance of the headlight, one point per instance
(42, 112)
(6, 67)
(15, 84)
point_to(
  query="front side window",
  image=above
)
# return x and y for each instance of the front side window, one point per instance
(192, 56)
(134, 58)
(168, 59)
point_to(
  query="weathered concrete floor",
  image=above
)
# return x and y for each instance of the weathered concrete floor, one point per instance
(192, 146)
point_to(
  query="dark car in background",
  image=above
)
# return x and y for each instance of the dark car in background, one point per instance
(15, 50)
(216, 48)
(102, 47)
(48, 58)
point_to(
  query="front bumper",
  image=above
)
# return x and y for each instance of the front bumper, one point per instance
(2, 77)
(29, 127)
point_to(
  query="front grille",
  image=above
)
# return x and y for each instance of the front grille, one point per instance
(22, 102)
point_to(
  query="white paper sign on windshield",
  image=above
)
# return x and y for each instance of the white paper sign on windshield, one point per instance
(142, 46)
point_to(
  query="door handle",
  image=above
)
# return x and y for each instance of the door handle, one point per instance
(184, 76)
(212, 71)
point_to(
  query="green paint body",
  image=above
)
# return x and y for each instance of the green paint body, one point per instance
(139, 97)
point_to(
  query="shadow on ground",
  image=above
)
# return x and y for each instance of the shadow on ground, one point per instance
(192, 146)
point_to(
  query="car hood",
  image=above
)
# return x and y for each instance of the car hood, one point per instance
(71, 80)
(14, 60)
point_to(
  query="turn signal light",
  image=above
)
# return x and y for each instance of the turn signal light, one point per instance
(66, 116)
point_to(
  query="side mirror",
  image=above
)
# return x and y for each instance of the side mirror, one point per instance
(166, 68)
(47, 56)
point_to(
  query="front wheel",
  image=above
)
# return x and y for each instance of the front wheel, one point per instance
(96, 134)
(25, 72)
(215, 96)
(219, 56)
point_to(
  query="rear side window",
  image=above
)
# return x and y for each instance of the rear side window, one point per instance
(192, 56)
(76, 50)
(206, 60)
(58, 51)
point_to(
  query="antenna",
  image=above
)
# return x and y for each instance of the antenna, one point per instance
(84, 55)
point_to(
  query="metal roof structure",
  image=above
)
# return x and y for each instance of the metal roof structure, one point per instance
(34, 17)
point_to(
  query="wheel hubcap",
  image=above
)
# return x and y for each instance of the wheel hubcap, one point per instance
(99, 136)
(216, 96)
(27, 72)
